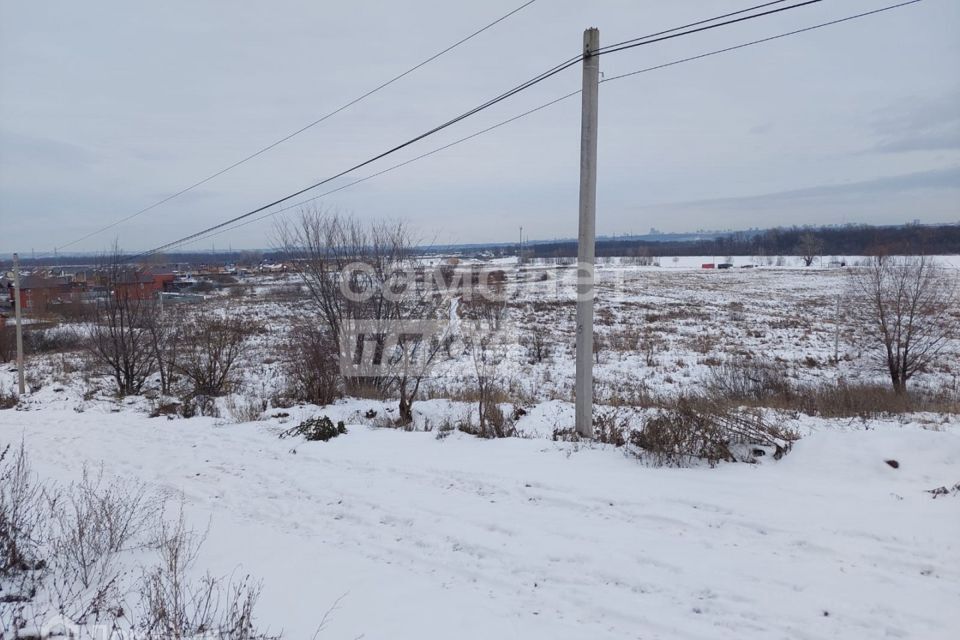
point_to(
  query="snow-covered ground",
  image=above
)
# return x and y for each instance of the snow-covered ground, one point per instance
(397, 534)
(415, 536)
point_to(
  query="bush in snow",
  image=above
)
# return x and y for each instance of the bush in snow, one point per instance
(312, 365)
(212, 349)
(316, 429)
(534, 340)
(8, 398)
(199, 405)
(51, 340)
(692, 428)
(8, 343)
(173, 606)
(246, 408)
(609, 427)
(750, 380)
(64, 558)
(21, 502)
(698, 428)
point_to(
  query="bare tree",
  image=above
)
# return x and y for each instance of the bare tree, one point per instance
(119, 336)
(907, 307)
(487, 349)
(325, 248)
(368, 286)
(8, 344)
(809, 247)
(166, 333)
(413, 355)
(537, 345)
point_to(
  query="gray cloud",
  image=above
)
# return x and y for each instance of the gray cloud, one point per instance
(108, 108)
(887, 200)
(23, 151)
(940, 179)
(923, 125)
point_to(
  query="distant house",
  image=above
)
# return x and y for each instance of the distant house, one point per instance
(39, 292)
(277, 267)
(142, 285)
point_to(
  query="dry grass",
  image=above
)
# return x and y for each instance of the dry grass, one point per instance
(760, 383)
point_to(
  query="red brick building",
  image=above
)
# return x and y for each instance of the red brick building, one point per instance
(142, 285)
(38, 293)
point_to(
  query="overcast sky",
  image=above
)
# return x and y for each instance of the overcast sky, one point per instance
(106, 107)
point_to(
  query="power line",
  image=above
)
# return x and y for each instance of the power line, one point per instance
(695, 24)
(644, 40)
(388, 169)
(762, 40)
(553, 102)
(301, 129)
(448, 123)
(639, 42)
(572, 60)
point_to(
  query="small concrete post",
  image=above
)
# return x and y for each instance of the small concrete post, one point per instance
(16, 297)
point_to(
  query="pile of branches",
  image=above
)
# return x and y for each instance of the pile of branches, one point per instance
(314, 429)
(698, 428)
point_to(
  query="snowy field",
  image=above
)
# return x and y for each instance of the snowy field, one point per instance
(387, 533)
(415, 537)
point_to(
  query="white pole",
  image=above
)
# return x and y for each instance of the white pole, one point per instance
(587, 234)
(836, 333)
(16, 298)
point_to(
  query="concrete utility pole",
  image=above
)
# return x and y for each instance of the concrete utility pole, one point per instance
(587, 235)
(16, 306)
(836, 333)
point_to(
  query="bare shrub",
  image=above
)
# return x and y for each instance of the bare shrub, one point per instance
(611, 427)
(212, 348)
(487, 352)
(749, 380)
(21, 512)
(314, 429)
(246, 408)
(172, 606)
(696, 428)
(61, 561)
(760, 383)
(8, 398)
(311, 364)
(843, 400)
(199, 405)
(535, 341)
(93, 521)
(23, 528)
(492, 422)
(165, 331)
(8, 343)
(55, 339)
(59, 546)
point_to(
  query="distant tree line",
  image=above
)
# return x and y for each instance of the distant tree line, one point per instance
(845, 240)
(913, 239)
